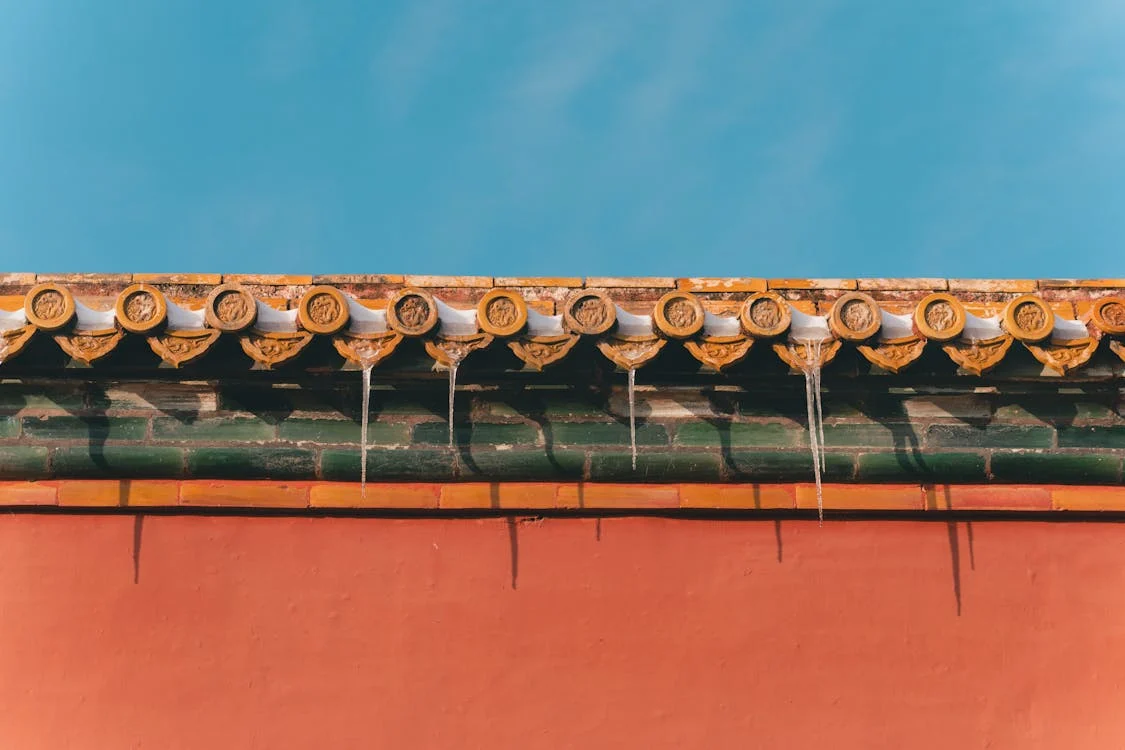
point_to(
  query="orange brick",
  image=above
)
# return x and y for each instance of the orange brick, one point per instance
(28, 493)
(374, 304)
(541, 306)
(543, 281)
(619, 496)
(741, 284)
(738, 496)
(245, 494)
(386, 495)
(85, 278)
(1082, 283)
(277, 303)
(987, 497)
(359, 278)
(862, 496)
(118, 492)
(507, 495)
(27, 279)
(483, 282)
(849, 284)
(270, 279)
(618, 282)
(1022, 286)
(178, 278)
(895, 285)
(1088, 498)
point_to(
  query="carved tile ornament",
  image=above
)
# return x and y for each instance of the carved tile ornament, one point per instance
(89, 346)
(367, 349)
(1064, 356)
(323, 310)
(589, 312)
(49, 307)
(13, 341)
(940, 317)
(230, 308)
(1029, 319)
(978, 357)
(797, 354)
(140, 308)
(894, 355)
(412, 312)
(181, 347)
(1118, 348)
(720, 352)
(678, 316)
(631, 352)
(540, 351)
(855, 317)
(452, 350)
(502, 312)
(765, 315)
(271, 348)
(1109, 315)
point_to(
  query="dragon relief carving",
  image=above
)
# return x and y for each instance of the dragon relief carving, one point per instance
(181, 347)
(1064, 356)
(89, 346)
(720, 351)
(13, 340)
(273, 348)
(796, 354)
(540, 351)
(978, 357)
(452, 350)
(366, 349)
(631, 352)
(894, 355)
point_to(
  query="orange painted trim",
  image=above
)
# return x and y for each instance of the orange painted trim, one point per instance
(459, 496)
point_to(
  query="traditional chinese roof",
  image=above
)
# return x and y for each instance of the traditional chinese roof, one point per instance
(686, 326)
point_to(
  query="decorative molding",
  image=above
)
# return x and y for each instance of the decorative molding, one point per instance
(452, 350)
(978, 357)
(13, 341)
(89, 346)
(796, 355)
(540, 351)
(272, 348)
(1067, 356)
(182, 347)
(894, 355)
(631, 352)
(1029, 319)
(720, 352)
(367, 349)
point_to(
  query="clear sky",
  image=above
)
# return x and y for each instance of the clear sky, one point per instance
(583, 137)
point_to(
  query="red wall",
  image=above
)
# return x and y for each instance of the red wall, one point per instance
(300, 633)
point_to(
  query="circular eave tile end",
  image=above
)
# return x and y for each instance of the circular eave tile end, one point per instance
(141, 308)
(323, 310)
(502, 312)
(49, 307)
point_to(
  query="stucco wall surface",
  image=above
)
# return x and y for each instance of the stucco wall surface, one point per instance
(181, 631)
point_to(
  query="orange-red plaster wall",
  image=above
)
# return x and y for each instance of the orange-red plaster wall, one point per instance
(242, 632)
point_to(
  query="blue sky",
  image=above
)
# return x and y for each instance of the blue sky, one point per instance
(713, 137)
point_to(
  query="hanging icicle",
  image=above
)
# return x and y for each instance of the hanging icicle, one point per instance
(452, 391)
(633, 414)
(363, 429)
(810, 354)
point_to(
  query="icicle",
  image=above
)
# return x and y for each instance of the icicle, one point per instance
(811, 370)
(633, 414)
(363, 429)
(452, 390)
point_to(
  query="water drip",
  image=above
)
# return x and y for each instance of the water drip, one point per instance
(633, 414)
(363, 430)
